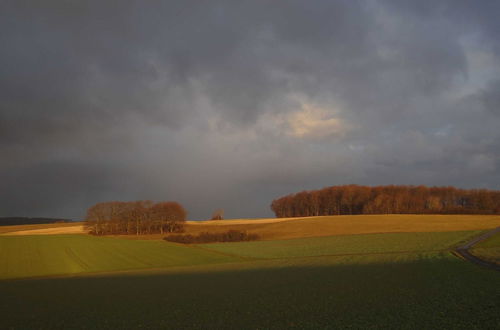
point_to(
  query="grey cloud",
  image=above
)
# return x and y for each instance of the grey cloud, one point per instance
(189, 100)
(54, 188)
(490, 97)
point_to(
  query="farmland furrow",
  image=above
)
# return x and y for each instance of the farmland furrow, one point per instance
(73, 256)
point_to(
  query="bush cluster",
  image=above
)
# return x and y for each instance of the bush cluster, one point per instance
(205, 237)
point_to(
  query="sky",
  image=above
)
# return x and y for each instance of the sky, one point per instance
(231, 104)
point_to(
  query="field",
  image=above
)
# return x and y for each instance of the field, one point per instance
(359, 281)
(419, 291)
(349, 224)
(286, 228)
(28, 256)
(32, 256)
(344, 245)
(488, 250)
(38, 227)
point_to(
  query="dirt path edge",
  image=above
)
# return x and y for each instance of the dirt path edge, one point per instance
(463, 250)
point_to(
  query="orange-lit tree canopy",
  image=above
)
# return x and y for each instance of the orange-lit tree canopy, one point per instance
(354, 199)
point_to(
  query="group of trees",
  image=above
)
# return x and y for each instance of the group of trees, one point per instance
(135, 218)
(354, 199)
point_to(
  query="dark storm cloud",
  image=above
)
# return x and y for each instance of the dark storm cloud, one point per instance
(490, 97)
(232, 103)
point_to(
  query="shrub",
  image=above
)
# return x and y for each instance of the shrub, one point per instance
(206, 237)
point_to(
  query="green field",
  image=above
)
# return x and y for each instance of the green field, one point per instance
(356, 282)
(425, 291)
(28, 256)
(345, 244)
(31, 256)
(489, 249)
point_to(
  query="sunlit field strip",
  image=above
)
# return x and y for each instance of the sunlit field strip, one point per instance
(344, 244)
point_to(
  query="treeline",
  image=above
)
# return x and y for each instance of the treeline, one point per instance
(135, 218)
(354, 199)
(12, 221)
(206, 237)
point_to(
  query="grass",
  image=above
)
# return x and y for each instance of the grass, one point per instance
(343, 245)
(349, 225)
(418, 291)
(28, 256)
(489, 249)
(493, 241)
(356, 282)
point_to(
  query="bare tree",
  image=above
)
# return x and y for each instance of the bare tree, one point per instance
(218, 214)
(139, 217)
(168, 216)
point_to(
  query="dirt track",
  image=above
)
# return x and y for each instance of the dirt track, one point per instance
(463, 250)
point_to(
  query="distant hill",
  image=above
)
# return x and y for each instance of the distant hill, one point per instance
(12, 221)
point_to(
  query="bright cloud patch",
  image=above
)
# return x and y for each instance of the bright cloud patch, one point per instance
(314, 122)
